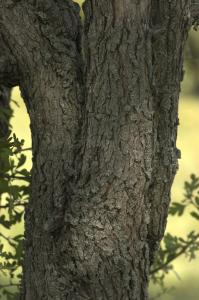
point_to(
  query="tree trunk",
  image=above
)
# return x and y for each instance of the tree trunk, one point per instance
(102, 99)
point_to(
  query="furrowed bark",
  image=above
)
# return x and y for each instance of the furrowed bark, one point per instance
(4, 104)
(170, 23)
(195, 12)
(44, 38)
(117, 154)
(104, 153)
(7, 78)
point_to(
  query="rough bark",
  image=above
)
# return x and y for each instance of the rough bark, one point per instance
(195, 12)
(4, 105)
(104, 121)
(169, 31)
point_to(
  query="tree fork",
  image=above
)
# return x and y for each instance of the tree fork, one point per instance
(104, 133)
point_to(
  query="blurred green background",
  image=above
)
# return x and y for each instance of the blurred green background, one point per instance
(185, 278)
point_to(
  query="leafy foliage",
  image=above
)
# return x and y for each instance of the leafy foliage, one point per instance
(174, 246)
(14, 194)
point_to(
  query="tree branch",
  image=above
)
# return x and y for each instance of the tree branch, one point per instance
(26, 178)
(22, 150)
(15, 205)
(182, 251)
(45, 38)
(165, 86)
(195, 11)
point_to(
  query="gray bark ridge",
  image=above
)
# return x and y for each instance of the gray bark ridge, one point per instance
(103, 107)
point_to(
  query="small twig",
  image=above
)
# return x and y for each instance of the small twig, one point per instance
(195, 10)
(175, 256)
(194, 204)
(22, 150)
(8, 239)
(164, 291)
(15, 177)
(15, 205)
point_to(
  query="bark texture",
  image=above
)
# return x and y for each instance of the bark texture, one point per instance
(195, 12)
(102, 99)
(4, 105)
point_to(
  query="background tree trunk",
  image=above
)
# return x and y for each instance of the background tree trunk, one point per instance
(103, 108)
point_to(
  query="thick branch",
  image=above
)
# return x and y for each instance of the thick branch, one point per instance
(45, 40)
(118, 149)
(195, 11)
(167, 62)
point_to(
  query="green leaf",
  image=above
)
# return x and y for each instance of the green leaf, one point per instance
(177, 208)
(197, 201)
(4, 222)
(22, 160)
(195, 215)
(14, 190)
(171, 243)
